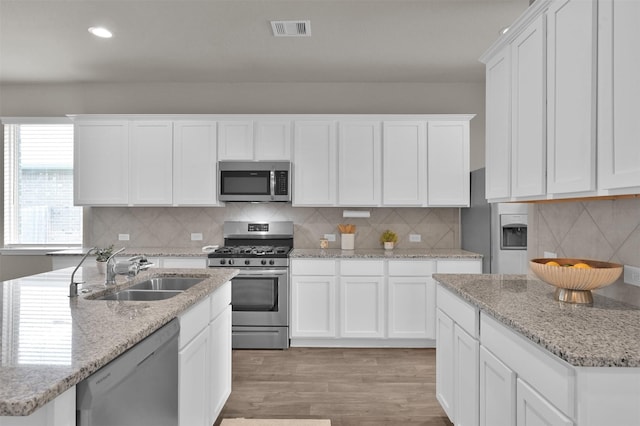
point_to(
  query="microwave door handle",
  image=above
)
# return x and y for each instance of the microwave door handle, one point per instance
(272, 174)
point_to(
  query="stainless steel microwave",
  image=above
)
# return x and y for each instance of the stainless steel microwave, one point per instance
(254, 181)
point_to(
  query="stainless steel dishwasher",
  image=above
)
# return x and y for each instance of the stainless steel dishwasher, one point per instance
(138, 388)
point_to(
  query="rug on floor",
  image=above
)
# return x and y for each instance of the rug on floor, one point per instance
(275, 422)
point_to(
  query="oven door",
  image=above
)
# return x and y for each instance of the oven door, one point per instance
(260, 297)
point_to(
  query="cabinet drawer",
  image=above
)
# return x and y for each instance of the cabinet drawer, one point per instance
(465, 315)
(362, 267)
(313, 267)
(193, 321)
(412, 268)
(220, 299)
(460, 266)
(549, 375)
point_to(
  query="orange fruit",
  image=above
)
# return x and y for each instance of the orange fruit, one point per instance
(552, 263)
(582, 266)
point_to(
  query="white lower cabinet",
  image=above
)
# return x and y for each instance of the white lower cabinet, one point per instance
(367, 302)
(497, 391)
(204, 359)
(533, 410)
(362, 299)
(59, 412)
(457, 366)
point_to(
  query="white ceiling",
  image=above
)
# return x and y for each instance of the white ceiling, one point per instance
(231, 40)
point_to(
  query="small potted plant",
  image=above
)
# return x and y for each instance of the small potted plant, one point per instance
(388, 239)
(102, 255)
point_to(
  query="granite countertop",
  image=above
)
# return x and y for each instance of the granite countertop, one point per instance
(383, 254)
(68, 339)
(606, 334)
(136, 251)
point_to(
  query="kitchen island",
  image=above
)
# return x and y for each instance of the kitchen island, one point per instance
(51, 342)
(508, 353)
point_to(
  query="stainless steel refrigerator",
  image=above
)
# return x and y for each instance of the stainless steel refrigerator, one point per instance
(498, 231)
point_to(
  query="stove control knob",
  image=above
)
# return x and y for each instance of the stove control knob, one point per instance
(247, 262)
(222, 261)
(230, 261)
(264, 262)
(272, 262)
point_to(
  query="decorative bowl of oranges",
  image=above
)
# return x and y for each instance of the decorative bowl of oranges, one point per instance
(575, 278)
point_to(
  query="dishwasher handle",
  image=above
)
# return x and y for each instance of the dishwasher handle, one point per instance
(118, 370)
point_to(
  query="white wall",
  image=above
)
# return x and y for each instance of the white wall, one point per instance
(266, 98)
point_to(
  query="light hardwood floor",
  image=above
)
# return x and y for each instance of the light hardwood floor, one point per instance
(364, 387)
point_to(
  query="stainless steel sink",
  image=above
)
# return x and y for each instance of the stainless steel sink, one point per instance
(141, 295)
(167, 283)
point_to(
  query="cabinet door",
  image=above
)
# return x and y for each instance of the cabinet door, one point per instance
(151, 163)
(101, 163)
(359, 163)
(220, 350)
(533, 410)
(497, 391)
(314, 163)
(448, 163)
(618, 94)
(444, 363)
(412, 307)
(313, 306)
(195, 164)
(528, 137)
(571, 44)
(193, 383)
(273, 140)
(362, 303)
(466, 377)
(498, 129)
(404, 163)
(235, 140)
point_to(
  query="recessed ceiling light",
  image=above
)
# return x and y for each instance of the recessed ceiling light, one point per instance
(100, 32)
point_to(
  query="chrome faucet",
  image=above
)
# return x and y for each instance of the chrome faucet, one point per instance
(73, 287)
(111, 268)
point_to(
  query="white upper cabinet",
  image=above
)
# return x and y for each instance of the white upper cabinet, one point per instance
(314, 163)
(273, 140)
(194, 163)
(359, 163)
(498, 126)
(618, 124)
(101, 163)
(528, 111)
(254, 140)
(448, 163)
(235, 140)
(151, 163)
(571, 92)
(404, 164)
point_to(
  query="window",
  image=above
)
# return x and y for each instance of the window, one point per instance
(38, 184)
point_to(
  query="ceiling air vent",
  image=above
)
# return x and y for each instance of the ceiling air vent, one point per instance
(291, 28)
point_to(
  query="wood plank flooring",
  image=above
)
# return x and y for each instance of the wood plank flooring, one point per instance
(364, 387)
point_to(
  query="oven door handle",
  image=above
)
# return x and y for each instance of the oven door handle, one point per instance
(261, 273)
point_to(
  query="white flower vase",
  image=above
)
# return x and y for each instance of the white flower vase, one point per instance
(348, 241)
(102, 267)
(388, 245)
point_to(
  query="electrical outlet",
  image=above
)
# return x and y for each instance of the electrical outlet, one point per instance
(123, 237)
(549, 254)
(196, 236)
(632, 275)
(415, 238)
(330, 237)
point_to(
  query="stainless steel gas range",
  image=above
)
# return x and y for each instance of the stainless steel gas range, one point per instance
(260, 292)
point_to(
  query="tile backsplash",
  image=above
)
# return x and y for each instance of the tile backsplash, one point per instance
(172, 226)
(606, 230)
